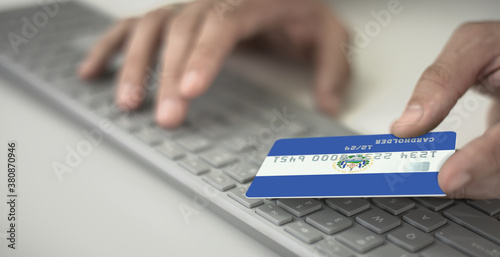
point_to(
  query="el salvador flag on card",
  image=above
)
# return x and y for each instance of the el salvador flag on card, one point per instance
(354, 166)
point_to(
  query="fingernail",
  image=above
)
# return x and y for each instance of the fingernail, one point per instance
(458, 181)
(170, 112)
(411, 116)
(189, 83)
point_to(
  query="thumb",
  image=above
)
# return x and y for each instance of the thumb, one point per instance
(474, 171)
(444, 82)
(494, 115)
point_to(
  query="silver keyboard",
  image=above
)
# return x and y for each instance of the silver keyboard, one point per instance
(217, 152)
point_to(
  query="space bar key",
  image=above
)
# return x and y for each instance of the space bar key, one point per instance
(475, 221)
(467, 241)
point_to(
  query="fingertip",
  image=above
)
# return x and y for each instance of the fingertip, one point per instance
(171, 112)
(85, 70)
(403, 131)
(331, 105)
(191, 85)
(454, 175)
(126, 105)
(454, 185)
(129, 96)
(409, 124)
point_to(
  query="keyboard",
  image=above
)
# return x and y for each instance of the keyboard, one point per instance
(217, 151)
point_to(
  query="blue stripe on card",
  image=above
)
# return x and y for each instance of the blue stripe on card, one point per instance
(364, 144)
(380, 184)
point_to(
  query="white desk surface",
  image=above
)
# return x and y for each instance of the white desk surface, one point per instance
(111, 205)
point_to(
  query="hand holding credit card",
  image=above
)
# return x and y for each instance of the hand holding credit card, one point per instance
(354, 166)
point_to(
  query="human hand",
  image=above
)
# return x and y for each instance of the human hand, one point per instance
(471, 58)
(197, 40)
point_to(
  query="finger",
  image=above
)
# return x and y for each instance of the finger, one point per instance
(486, 188)
(493, 80)
(182, 35)
(143, 44)
(207, 55)
(490, 84)
(444, 82)
(332, 69)
(218, 37)
(466, 168)
(109, 44)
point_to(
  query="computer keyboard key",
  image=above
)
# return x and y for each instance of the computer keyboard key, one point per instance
(219, 180)
(148, 136)
(194, 143)
(237, 143)
(128, 124)
(378, 221)
(490, 207)
(435, 204)
(475, 220)
(359, 239)
(214, 127)
(238, 194)
(295, 129)
(467, 241)
(177, 132)
(331, 248)
(439, 249)
(218, 157)
(108, 111)
(394, 205)
(303, 231)
(390, 250)
(410, 238)
(425, 220)
(348, 206)
(299, 206)
(170, 150)
(194, 165)
(256, 156)
(274, 214)
(241, 171)
(329, 221)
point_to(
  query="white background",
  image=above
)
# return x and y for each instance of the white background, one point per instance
(112, 205)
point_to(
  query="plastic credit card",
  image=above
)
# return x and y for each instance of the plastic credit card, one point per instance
(354, 166)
